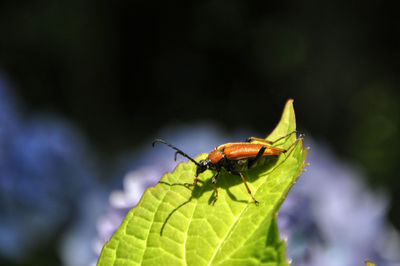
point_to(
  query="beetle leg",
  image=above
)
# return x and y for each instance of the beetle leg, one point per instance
(251, 161)
(251, 139)
(245, 183)
(194, 183)
(214, 180)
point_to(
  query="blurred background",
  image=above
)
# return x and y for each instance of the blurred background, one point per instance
(85, 86)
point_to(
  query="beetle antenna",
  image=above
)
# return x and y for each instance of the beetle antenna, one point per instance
(178, 151)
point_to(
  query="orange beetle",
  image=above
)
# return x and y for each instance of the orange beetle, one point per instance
(234, 157)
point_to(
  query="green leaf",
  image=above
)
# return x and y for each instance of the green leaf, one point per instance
(176, 225)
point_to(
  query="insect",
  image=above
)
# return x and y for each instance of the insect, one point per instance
(234, 157)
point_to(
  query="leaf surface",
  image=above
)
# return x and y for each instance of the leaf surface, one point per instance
(176, 225)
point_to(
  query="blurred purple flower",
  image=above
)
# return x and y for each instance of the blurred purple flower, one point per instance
(44, 169)
(329, 217)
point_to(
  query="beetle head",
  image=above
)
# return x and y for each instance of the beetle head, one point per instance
(203, 165)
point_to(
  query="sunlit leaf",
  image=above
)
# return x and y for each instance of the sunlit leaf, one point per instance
(176, 225)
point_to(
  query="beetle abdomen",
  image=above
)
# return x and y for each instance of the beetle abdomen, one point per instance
(246, 150)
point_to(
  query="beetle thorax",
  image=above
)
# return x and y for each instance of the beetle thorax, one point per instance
(215, 156)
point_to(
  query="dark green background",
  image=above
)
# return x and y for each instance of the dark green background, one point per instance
(124, 69)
